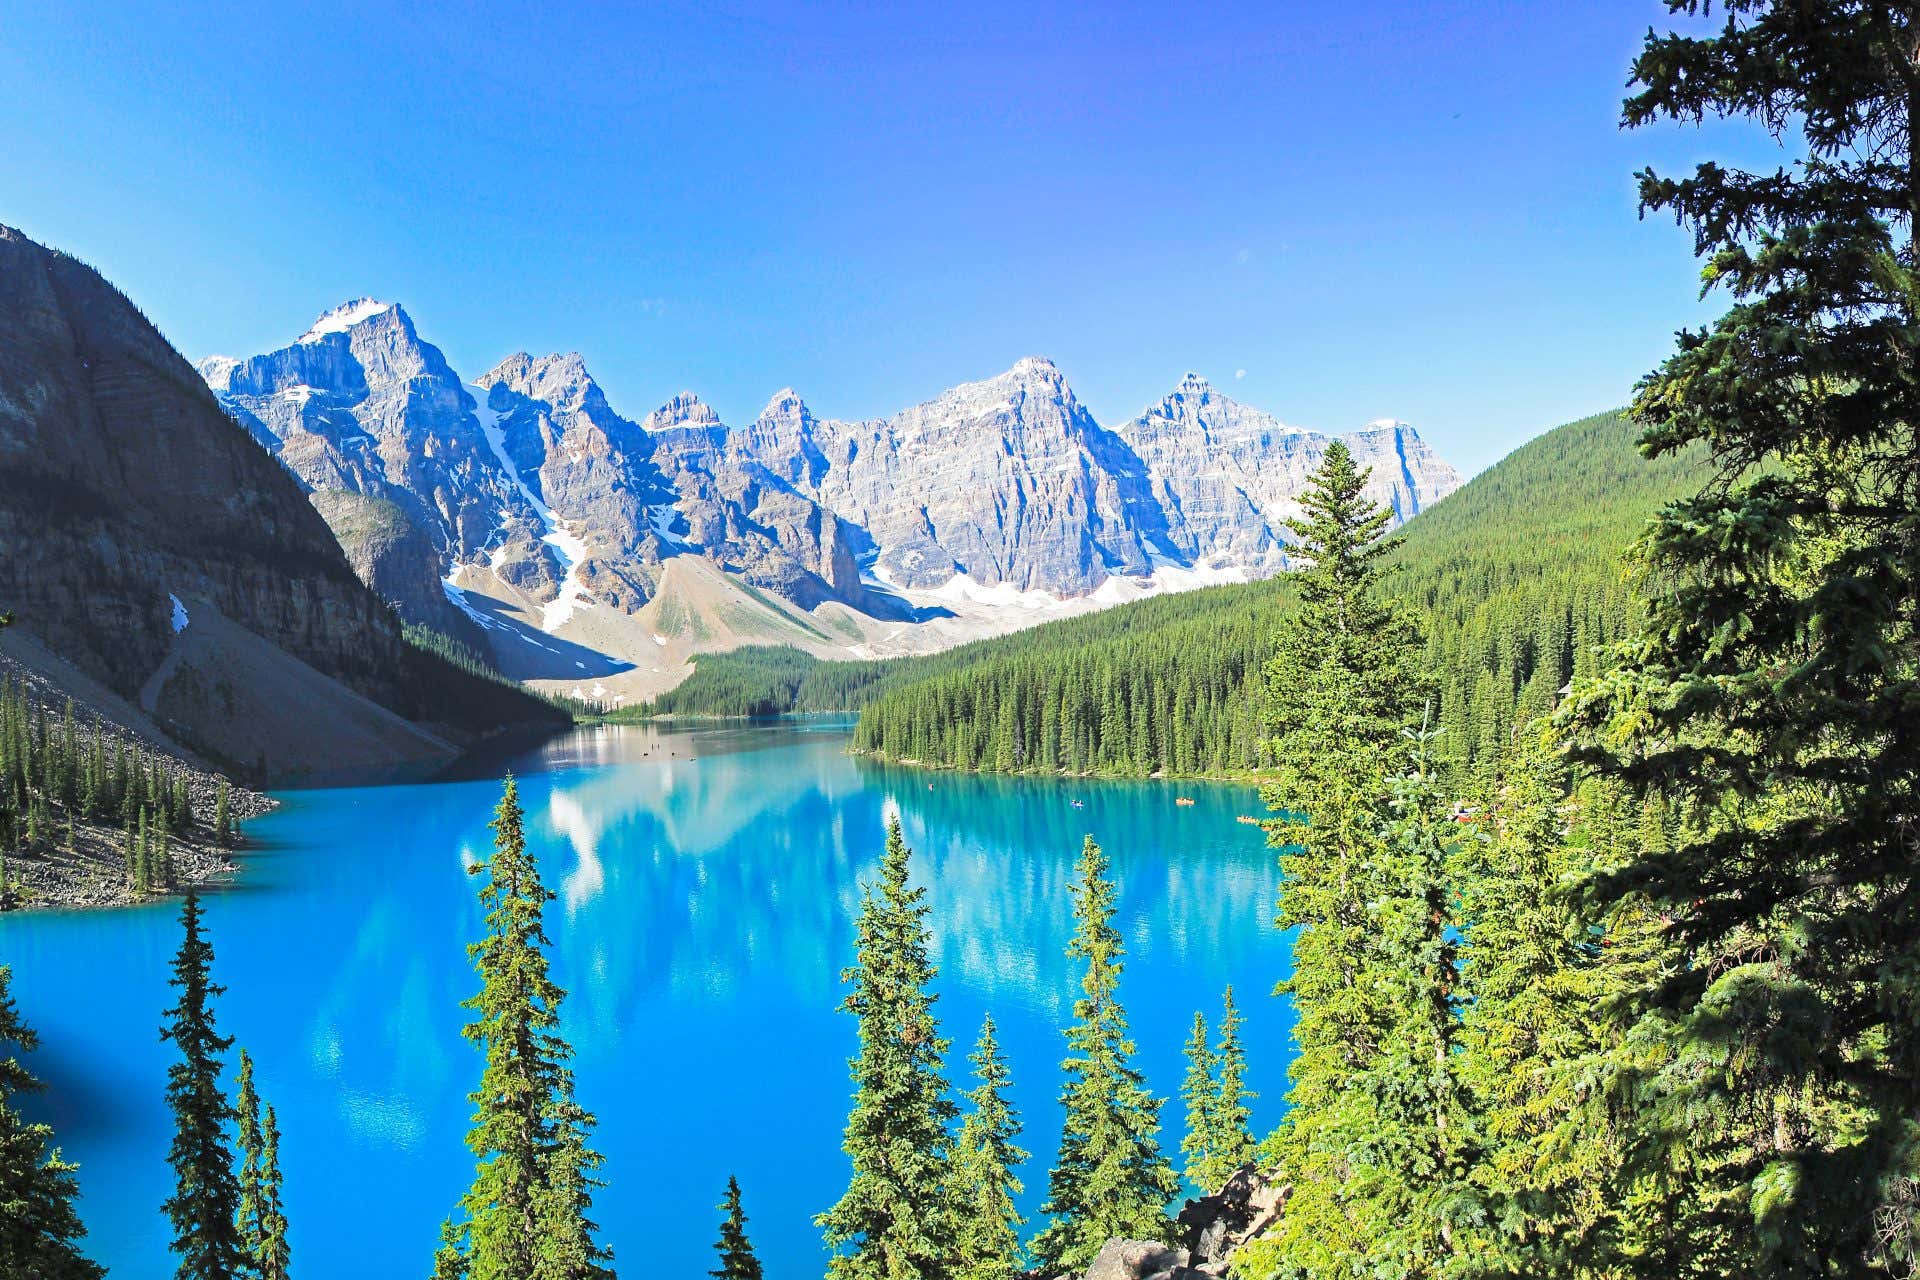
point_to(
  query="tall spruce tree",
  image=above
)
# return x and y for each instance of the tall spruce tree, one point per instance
(737, 1258)
(1232, 1144)
(1111, 1178)
(985, 1154)
(206, 1197)
(524, 1217)
(1201, 1093)
(894, 1222)
(262, 1218)
(1343, 691)
(40, 1230)
(272, 1254)
(1770, 695)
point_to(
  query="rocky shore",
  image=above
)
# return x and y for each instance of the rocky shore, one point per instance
(87, 866)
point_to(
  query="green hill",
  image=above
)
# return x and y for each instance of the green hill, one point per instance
(1516, 578)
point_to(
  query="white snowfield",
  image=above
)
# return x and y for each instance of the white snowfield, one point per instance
(179, 614)
(567, 548)
(344, 317)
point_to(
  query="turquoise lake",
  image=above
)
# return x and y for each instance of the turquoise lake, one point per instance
(705, 909)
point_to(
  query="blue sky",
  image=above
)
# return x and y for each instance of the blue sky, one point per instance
(1418, 210)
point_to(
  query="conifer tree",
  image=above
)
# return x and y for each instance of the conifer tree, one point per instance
(1201, 1092)
(1342, 692)
(894, 1221)
(1412, 1165)
(206, 1197)
(262, 1220)
(1540, 1030)
(524, 1218)
(40, 1229)
(273, 1256)
(985, 1154)
(569, 1248)
(737, 1259)
(1111, 1178)
(1232, 1142)
(222, 817)
(1770, 694)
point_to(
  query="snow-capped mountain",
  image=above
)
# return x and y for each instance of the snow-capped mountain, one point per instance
(1228, 475)
(548, 514)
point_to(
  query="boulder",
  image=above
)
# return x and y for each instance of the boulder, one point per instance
(1139, 1260)
(1244, 1208)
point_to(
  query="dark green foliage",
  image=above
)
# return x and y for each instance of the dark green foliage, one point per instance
(525, 1216)
(1199, 1091)
(1110, 1178)
(1344, 693)
(449, 684)
(1770, 698)
(1218, 1140)
(985, 1154)
(223, 817)
(58, 775)
(206, 1197)
(40, 1229)
(737, 1259)
(894, 1219)
(1515, 580)
(262, 1219)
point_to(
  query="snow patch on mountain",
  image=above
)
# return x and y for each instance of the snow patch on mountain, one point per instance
(344, 317)
(567, 547)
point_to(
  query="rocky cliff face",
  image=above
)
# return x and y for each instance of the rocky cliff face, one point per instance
(540, 497)
(1228, 476)
(131, 506)
(1009, 480)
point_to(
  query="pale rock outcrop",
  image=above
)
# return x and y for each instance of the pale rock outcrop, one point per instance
(1229, 476)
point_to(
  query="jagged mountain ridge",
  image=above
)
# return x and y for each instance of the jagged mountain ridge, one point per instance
(551, 510)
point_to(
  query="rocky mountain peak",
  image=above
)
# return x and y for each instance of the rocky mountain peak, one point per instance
(346, 316)
(560, 379)
(1037, 367)
(218, 371)
(785, 412)
(684, 410)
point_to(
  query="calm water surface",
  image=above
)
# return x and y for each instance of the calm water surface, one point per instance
(705, 910)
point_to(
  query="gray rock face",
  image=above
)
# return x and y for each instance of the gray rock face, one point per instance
(1010, 481)
(1139, 1260)
(360, 403)
(748, 517)
(1229, 476)
(1245, 1208)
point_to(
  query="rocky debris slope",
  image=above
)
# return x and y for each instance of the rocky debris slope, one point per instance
(88, 869)
(129, 500)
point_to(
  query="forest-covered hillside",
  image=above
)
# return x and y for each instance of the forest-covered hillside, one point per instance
(1515, 580)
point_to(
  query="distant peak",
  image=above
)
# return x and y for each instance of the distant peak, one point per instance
(1036, 365)
(1384, 424)
(345, 316)
(216, 371)
(685, 408)
(784, 402)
